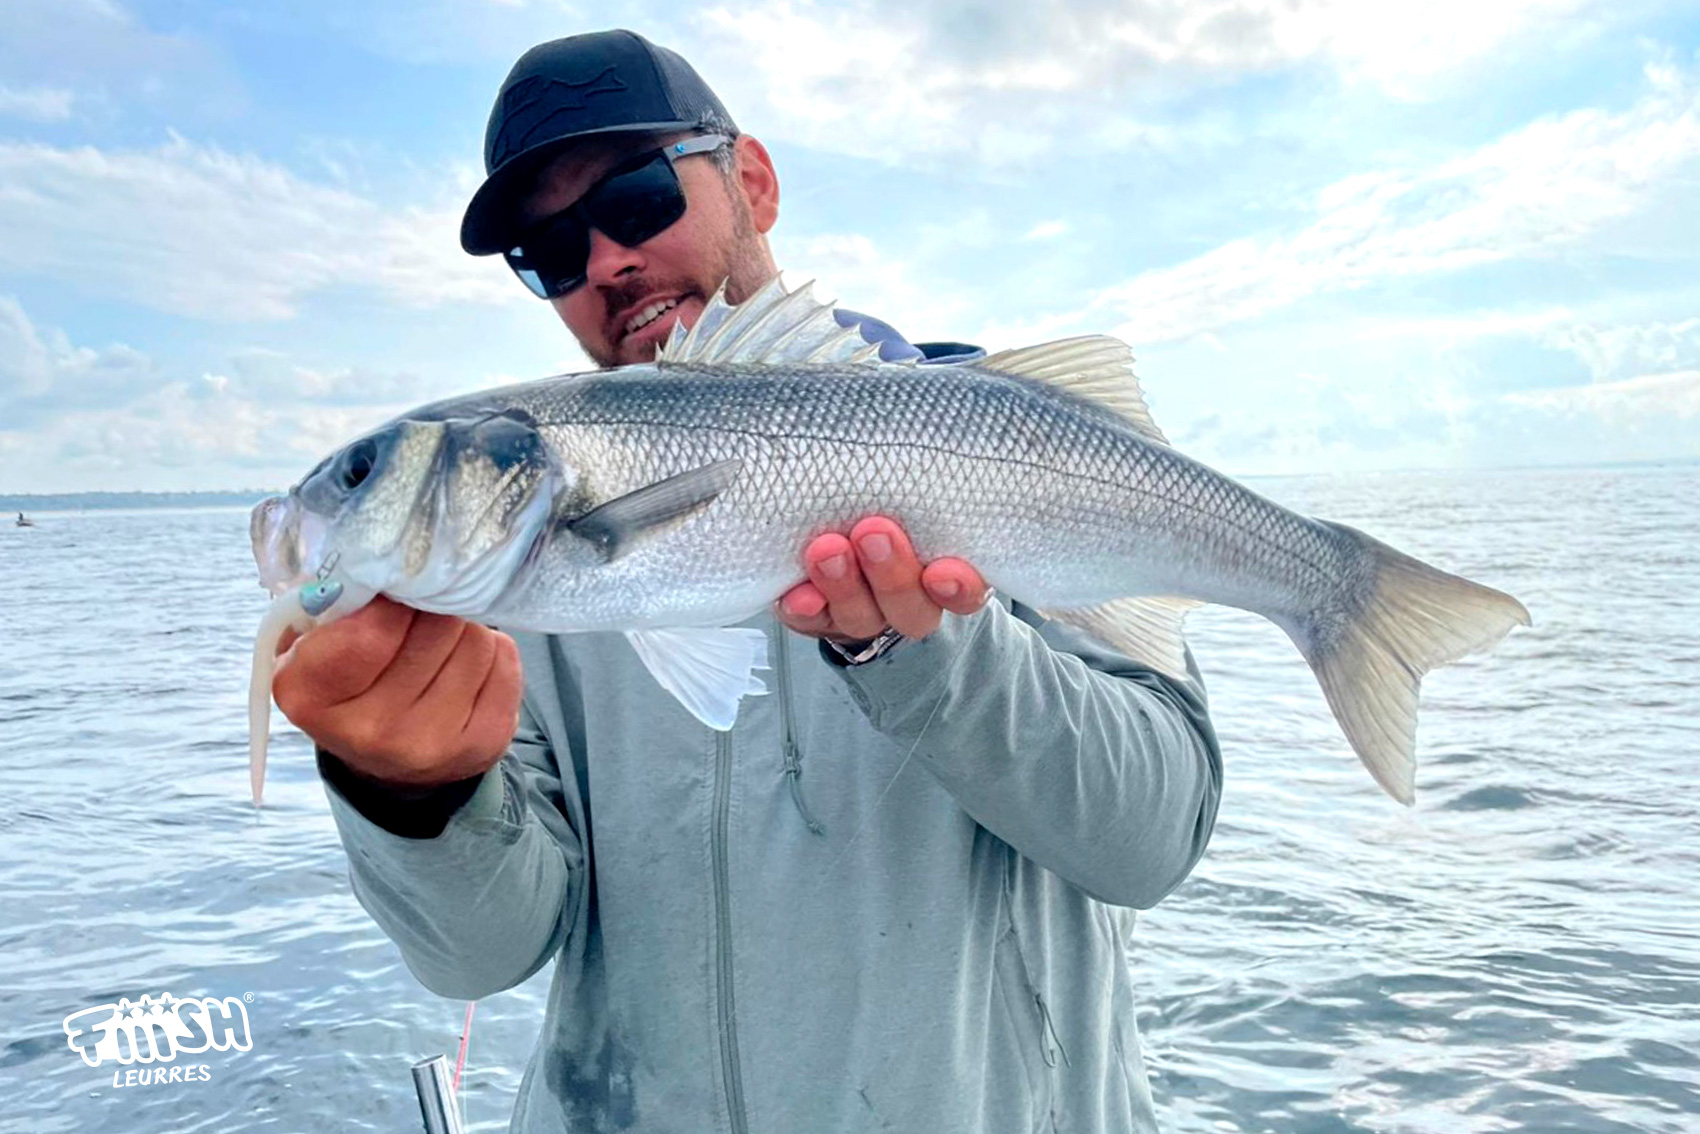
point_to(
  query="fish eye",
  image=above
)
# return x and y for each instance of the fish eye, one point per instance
(357, 465)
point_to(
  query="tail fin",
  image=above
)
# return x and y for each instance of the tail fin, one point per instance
(1401, 619)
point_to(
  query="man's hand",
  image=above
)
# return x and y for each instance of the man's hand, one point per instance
(407, 699)
(859, 586)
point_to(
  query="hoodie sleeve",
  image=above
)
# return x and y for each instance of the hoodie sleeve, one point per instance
(1087, 762)
(482, 905)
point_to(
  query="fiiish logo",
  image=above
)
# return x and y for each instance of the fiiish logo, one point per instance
(157, 1029)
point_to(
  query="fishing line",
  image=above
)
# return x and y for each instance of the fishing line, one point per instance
(465, 1038)
(907, 756)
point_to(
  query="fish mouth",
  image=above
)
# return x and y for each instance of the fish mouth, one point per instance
(286, 539)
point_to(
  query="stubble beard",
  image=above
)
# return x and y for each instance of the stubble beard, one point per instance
(749, 266)
(742, 263)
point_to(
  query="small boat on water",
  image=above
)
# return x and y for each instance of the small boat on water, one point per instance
(24, 521)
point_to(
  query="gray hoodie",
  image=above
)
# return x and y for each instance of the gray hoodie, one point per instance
(896, 896)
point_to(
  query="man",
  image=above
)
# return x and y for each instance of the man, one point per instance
(932, 936)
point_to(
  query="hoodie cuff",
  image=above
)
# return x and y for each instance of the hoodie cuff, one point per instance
(411, 814)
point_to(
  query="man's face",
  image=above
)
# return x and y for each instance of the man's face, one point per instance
(613, 313)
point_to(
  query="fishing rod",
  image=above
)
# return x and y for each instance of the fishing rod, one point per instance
(438, 1089)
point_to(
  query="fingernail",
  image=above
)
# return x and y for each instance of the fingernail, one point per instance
(947, 588)
(833, 567)
(876, 548)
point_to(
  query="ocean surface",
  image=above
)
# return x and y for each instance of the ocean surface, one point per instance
(1519, 952)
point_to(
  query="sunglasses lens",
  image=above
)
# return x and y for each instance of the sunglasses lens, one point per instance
(552, 259)
(636, 204)
(630, 206)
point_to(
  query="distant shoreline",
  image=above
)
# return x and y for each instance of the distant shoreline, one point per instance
(87, 501)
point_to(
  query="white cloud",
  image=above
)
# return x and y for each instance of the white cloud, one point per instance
(851, 271)
(184, 435)
(36, 104)
(100, 50)
(1321, 422)
(1046, 230)
(888, 80)
(40, 370)
(1648, 400)
(1528, 195)
(195, 230)
(75, 418)
(1612, 352)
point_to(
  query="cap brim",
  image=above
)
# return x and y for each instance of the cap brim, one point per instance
(491, 221)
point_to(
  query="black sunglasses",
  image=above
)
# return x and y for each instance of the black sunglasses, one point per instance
(636, 200)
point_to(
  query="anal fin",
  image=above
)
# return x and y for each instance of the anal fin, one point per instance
(1146, 629)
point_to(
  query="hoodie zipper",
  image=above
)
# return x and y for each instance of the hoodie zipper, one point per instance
(793, 757)
(730, 1072)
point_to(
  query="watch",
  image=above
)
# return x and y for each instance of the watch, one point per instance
(866, 652)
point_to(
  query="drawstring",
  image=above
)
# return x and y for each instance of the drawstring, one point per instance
(793, 758)
(794, 773)
(1050, 1028)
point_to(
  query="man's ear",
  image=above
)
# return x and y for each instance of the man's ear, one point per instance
(758, 181)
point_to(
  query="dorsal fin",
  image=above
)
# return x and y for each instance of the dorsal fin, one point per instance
(1095, 367)
(773, 325)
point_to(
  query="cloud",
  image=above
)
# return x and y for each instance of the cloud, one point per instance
(1633, 403)
(1612, 352)
(889, 80)
(1326, 424)
(36, 104)
(1529, 195)
(76, 418)
(40, 371)
(100, 51)
(850, 270)
(195, 230)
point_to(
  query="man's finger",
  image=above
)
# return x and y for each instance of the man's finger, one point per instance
(832, 567)
(431, 642)
(495, 710)
(893, 573)
(463, 672)
(803, 609)
(340, 661)
(955, 585)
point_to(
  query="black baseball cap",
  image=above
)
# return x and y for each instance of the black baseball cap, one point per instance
(566, 89)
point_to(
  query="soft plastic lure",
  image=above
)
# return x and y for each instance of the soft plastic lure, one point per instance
(299, 609)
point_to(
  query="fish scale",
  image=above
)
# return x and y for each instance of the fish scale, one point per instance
(672, 500)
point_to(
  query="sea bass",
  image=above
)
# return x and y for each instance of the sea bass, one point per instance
(671, 500)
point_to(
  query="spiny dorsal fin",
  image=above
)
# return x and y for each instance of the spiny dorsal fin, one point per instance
(773, 325)
(1145, 629)
(1095, 367)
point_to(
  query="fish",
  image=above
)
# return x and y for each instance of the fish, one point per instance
(671, 500)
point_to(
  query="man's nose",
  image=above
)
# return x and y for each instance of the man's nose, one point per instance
(609, 259)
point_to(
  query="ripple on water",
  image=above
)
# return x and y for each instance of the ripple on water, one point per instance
(1520, 952)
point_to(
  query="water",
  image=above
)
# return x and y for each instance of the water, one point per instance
(1521, 952)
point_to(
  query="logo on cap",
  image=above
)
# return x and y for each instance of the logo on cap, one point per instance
(521, 102)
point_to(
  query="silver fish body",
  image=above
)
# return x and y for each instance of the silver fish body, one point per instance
(1056, 501)
(680, 494)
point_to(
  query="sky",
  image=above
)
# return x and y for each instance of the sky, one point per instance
(1339, 236)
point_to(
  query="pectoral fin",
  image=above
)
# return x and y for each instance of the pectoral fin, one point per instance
(709, 669)
(613, 526)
